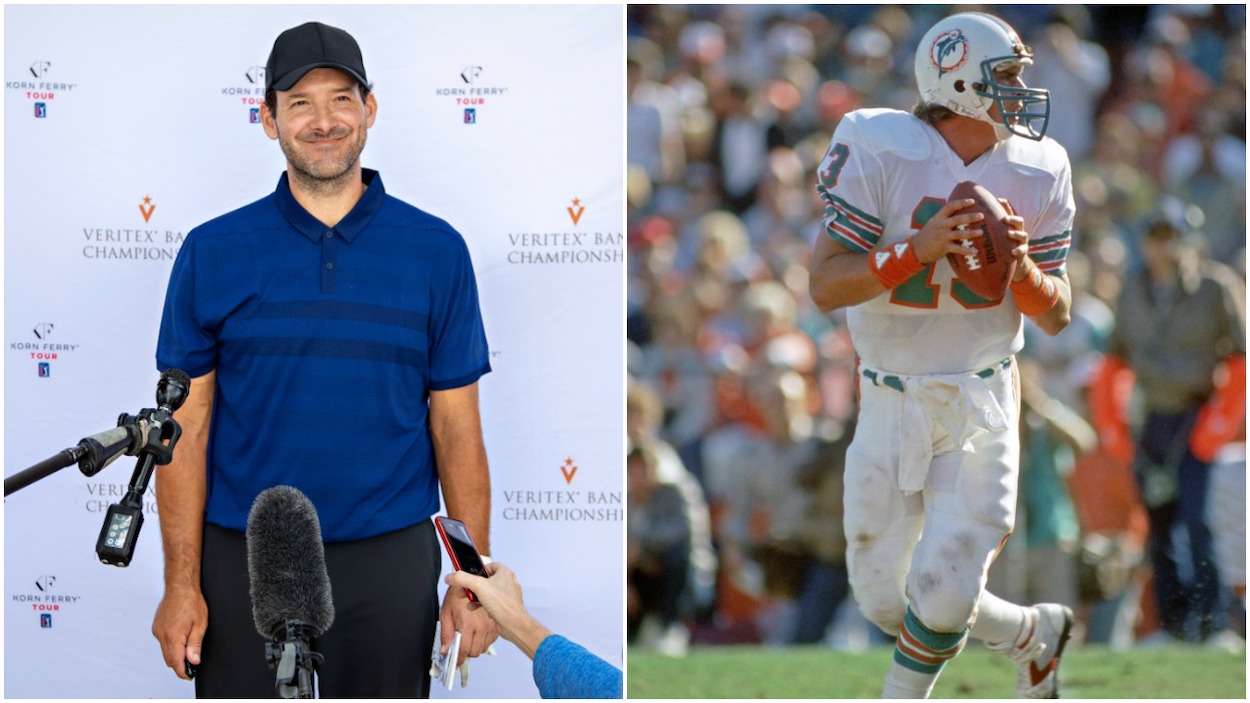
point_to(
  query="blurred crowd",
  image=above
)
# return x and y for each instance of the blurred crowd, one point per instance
(741, 397)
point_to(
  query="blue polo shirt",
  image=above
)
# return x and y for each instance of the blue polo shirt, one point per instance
(326, 342)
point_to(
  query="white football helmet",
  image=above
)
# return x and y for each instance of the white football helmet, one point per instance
(955, 66)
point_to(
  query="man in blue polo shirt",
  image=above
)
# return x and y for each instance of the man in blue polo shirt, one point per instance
(334, 340)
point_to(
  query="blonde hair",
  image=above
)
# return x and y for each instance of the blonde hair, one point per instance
(931, 112)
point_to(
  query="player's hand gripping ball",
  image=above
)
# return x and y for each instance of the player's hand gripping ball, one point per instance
(989, 271)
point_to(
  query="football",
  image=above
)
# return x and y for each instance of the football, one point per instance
(989, 271)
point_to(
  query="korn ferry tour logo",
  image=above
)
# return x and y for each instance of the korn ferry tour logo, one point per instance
(555, 498)
(949, 51)
(45, 346)
(45, 597)
(471, 91)
(580, 239)
(38, 82)
(247, 89)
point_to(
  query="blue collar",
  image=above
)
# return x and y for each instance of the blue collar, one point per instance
(347, 228)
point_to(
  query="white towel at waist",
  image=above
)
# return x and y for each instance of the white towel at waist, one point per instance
(963, 405)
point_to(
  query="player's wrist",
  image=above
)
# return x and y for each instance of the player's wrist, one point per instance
(1024, 269)
(928, 251)
(893, 264)
(1036, 293)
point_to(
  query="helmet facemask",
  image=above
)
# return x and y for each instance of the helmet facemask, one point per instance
(1032, 104)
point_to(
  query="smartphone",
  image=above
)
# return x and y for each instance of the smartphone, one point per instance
(460, 547)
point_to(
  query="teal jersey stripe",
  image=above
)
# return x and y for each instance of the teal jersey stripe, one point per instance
(850, 226)
(1052, 239)
(873, 221)
(849, 235)
(1054, 255)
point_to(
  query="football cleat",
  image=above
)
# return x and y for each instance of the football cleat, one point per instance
(1037, 661)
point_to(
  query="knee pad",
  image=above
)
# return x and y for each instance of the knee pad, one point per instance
(944, 605)
(882, 607)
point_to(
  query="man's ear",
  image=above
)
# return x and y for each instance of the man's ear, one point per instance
(268, 122)
(371, 109)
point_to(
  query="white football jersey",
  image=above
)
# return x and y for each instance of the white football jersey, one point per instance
(885, 174)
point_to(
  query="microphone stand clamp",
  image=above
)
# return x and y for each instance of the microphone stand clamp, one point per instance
(291, 655)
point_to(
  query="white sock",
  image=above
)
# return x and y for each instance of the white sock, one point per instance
(999, 621)
(901, 682)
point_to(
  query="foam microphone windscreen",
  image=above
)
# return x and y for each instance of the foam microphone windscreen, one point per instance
(178, 376)
(173, 388)
(286, 563)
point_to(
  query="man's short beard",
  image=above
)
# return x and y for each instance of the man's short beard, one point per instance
(302, 169)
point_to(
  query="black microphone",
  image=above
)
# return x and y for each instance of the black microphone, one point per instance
(289, 585)
(157, 432)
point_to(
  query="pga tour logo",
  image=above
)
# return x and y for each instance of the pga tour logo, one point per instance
(45, 620)
(41, 110)
(470, 115)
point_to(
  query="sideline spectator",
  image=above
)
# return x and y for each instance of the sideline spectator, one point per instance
(671, 565)
(1177, 320)
(1227, 515)
(658, 552)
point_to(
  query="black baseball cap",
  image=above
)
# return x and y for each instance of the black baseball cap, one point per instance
(312, 45)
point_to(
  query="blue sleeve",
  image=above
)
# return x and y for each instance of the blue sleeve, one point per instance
(187, 340)
(563, 669)
(458, 351)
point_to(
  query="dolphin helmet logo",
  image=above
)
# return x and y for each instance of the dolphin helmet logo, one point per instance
(949, 51)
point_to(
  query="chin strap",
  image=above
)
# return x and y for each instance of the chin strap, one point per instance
(1000, 130)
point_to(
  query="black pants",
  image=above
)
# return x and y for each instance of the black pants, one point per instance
(385, 592)
(662, 587)
(1200, 598)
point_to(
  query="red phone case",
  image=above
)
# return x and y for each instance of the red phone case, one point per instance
(451, 553)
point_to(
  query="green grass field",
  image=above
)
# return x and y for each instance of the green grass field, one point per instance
(816, 672)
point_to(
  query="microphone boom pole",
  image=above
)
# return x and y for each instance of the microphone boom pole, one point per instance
(159, 433)
(91, 454)
(45, 468)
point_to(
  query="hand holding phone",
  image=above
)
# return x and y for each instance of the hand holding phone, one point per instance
(461, 549)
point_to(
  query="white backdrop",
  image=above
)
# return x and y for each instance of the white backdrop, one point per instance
(126, 126)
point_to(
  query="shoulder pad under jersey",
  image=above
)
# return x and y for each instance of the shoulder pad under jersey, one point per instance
(885, 130)
(1046, 155)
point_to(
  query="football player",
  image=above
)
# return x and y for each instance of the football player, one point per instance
(932, 473)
